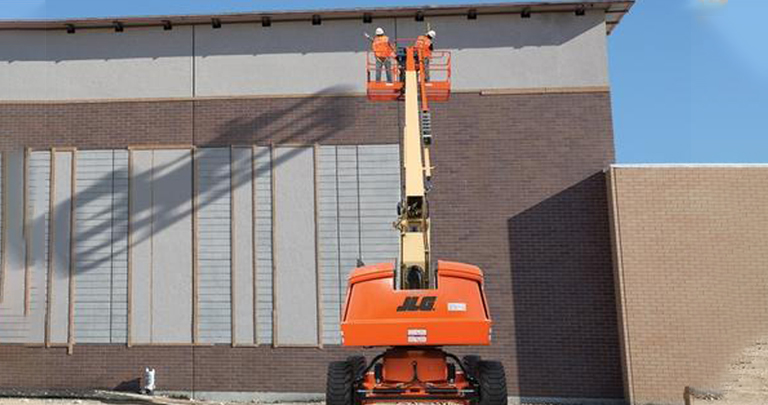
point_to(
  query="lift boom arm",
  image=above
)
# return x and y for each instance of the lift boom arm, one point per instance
(415, 325)
(413, 222)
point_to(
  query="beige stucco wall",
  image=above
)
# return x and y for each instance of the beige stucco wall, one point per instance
(493, 52)
(53, 65)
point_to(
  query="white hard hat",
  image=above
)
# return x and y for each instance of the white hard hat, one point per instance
(379, 31)
(431, 33)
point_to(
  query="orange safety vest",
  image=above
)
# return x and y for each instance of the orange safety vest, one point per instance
(381, 47)
(423, 43)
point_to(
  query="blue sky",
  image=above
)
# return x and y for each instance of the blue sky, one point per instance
(689, 78)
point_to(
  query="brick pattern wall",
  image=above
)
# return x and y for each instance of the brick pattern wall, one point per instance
(692, 260)
(95, 125)
(519, 191)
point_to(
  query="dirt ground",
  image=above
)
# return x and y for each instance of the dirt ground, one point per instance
(747, 379)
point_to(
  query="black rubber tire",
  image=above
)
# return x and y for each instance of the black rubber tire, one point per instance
(470, 364)
(339, 384)
(358, 365)
(493, 383)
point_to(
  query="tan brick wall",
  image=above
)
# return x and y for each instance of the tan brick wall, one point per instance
(692, 271)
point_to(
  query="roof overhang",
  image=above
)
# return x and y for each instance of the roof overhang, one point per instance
(614, 10)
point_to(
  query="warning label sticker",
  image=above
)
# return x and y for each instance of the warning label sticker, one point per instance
(417, 336)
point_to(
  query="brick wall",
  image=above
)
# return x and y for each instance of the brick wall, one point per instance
(95, 125)
(693, 270)
(519, 191)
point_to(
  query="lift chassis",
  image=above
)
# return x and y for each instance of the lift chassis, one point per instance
(415, 307)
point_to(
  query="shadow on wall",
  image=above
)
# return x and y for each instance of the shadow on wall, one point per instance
(562, 285)
(322, 115)
(488, 31)
(325, 116)
(503, 31)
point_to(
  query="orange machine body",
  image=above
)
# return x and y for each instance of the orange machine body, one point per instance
(453, 314)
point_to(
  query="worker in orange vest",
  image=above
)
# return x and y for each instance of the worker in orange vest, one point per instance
(424, 46)
(383, 51)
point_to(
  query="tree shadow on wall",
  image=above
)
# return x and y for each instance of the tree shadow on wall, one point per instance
(563, 291)
(321, 118)
(310, 120)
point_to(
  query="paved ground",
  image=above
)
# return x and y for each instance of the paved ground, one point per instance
(25, 401)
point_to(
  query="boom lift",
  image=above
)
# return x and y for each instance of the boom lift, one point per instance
(413, 307)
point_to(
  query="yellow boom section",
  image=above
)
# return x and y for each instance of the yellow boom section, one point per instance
(413, 223)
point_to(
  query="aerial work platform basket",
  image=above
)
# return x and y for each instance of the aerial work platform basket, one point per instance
(437, 81)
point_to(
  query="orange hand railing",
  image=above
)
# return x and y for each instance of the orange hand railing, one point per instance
(380, 88)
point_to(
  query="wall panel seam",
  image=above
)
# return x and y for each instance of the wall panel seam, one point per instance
(111, 245)
(51, 246)
(232, 250)
(318, 276)
(3, 220)
(72, 252)
(129, 252)
(195, 241)
(272, 244)
(359, 207)
(152, 249)
(27, 236)
(340, 288)
(254, 249)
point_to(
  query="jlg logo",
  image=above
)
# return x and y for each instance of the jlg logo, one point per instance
(413, 304)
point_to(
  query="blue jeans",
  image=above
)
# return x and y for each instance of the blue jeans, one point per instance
(425, 69)
(387, 64)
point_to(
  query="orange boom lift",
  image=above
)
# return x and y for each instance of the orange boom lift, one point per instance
(413, 307)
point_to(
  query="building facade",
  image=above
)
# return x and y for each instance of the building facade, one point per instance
(189, 193)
